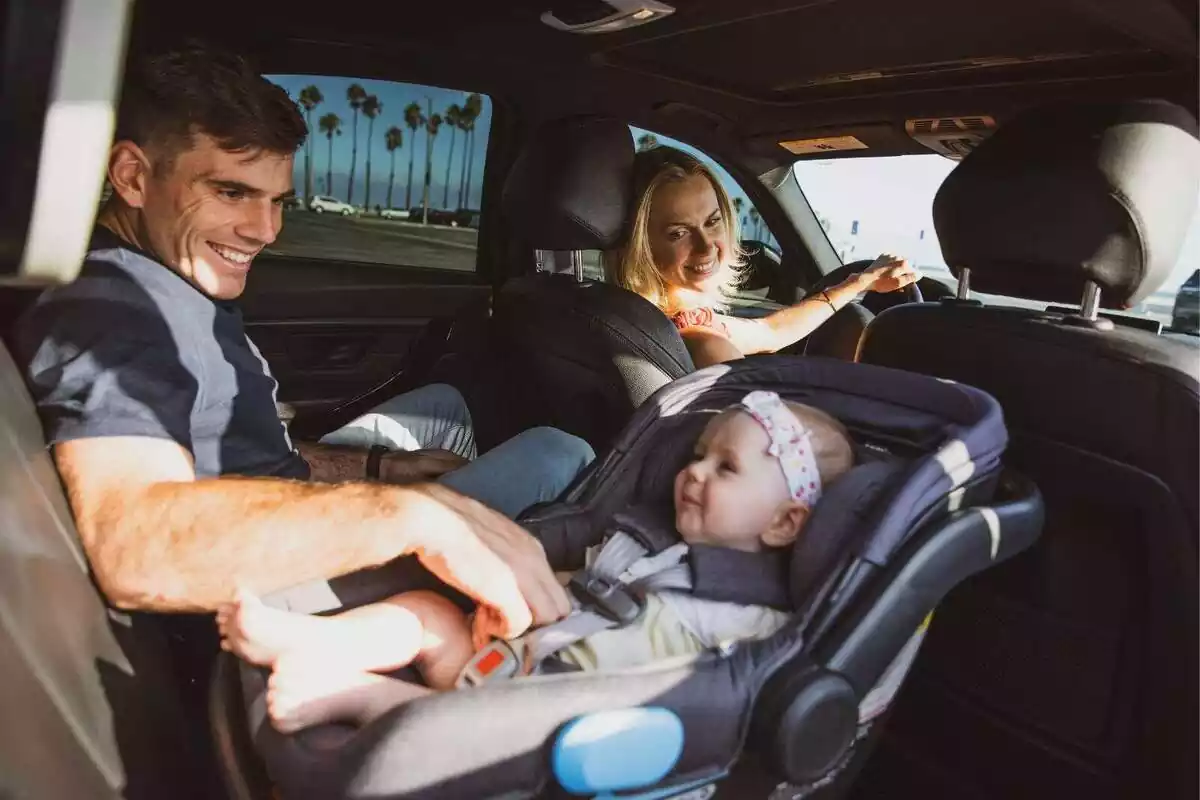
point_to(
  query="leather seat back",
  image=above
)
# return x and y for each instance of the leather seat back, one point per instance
(1072, 670)
(87, 696)
(588, 351)
(591, 352)
(89, 707)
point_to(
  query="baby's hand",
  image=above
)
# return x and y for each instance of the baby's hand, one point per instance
(889, 273)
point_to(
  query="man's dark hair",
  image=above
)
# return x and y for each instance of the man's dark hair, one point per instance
(169, 98)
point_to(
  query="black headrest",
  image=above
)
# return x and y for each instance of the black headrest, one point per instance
(569, 189)
(1063, 195)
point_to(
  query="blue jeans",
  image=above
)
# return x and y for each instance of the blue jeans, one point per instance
(532, 467)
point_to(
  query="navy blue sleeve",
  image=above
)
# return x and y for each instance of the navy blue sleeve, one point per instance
(100, 360)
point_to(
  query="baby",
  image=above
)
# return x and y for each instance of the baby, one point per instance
(757, 472)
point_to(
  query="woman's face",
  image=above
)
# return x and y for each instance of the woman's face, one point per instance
(687, 235)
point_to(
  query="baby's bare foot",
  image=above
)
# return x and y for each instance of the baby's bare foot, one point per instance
(305, 690)
(261, 634)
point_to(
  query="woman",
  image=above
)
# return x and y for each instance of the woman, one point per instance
(681, 253)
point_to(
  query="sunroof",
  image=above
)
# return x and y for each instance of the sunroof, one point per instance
(811, 47)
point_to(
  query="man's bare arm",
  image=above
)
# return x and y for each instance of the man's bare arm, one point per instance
(158, 539)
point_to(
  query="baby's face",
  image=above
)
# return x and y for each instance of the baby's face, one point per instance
(730, 492)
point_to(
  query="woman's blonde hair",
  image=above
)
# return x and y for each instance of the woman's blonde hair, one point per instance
(631, 264)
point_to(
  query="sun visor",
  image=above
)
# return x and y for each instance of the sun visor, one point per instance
(58, 96)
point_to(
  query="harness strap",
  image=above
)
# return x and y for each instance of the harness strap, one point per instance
(607, 595)
(620, 569)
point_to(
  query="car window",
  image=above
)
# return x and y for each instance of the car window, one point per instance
(873, 205)
(392, 173)
(755, 233)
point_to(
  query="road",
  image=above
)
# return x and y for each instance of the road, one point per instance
(375, 241)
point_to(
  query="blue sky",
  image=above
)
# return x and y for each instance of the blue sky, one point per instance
(394, 97)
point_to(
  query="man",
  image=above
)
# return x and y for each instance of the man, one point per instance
(161, 413)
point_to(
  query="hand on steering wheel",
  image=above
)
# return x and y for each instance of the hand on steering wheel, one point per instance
(889, 273)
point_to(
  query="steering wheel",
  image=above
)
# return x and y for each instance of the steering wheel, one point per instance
(874, 301)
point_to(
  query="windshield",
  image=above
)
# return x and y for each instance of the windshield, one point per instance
(869, 206)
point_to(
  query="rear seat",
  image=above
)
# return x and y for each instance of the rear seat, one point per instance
(92, 686)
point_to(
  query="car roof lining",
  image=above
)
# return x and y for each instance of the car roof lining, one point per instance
(799, 68)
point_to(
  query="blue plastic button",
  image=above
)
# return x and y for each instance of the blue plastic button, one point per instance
(609, 751)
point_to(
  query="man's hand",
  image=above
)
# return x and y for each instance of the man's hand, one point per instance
(400, 466)
(491, 559)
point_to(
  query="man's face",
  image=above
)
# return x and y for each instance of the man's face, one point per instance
(209, 212)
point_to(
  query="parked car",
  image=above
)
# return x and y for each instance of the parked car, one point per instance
(394, 213)
(322, 203)
(437, 216)
(1185, 317)
(467, 218)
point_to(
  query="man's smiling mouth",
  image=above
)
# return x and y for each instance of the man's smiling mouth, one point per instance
(237, 258)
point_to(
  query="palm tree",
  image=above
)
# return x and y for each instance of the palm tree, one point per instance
(755, 219)
(414, 119)
(310, 98)
(465, 123)
(393, 138)
(370, 108)
(472, 108)
(647, 141)
(452, 118)
(330, 124)
(355, 95)
(431, 132)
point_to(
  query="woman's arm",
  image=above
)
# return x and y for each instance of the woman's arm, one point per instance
(790, 325)
(707, 347)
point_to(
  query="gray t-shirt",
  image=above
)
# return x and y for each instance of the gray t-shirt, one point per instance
(130, 348)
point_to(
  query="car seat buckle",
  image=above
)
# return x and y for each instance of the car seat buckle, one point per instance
(499, 660)
(608, 599)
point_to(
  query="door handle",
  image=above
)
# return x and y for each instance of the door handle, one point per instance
(327, 352)
(345, 354)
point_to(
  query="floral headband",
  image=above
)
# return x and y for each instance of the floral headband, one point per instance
(791, 444)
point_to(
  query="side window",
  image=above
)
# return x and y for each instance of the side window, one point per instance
(391, 173)
(754, 233)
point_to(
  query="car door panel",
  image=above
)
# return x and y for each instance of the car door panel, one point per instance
(329, 340)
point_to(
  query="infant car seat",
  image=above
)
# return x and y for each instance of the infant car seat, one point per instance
(927, 506)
